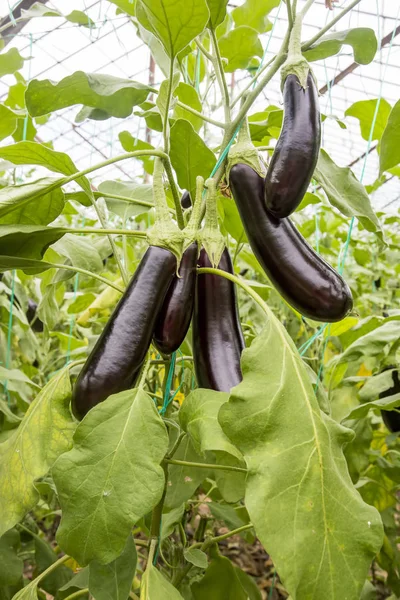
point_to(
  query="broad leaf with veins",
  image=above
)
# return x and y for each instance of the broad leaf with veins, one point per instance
(320, 533)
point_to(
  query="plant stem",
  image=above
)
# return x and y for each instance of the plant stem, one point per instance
(252, 81)
(77, 594)
(50, 569)
(220, 74)
(204, 51)
(220, 538)
(180, 576)
(174, 190)
(142, 543)
(113, 246)
(290, 14)
(176, 445)
(185, 463)
(132, 232)
(239, 282)
(167, 105)
(156, 517)
(133, 596)
(123, 198)
(329, 25)
(88, 273)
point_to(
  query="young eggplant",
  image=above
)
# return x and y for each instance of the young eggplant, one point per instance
(217, 336)
(296, 153)
(300, 275)
(176, 313)
(115, 361)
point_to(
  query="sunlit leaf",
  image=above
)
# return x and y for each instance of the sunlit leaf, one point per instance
(362, 39)
(239, 46)
(8, 121)
(113, 95)
(217, 10)
(390, 142)
(37, 203)
(10, 62)
(254, 14)
(174, 22)
(112, 476)
(346, 193)
(364, 111)
(44, 433)
(190, 156)
(298, 490)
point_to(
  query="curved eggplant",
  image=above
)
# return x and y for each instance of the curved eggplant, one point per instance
(296, 153)
(300, 275)
(186, 200)
(115, 361)
(176, 313)
(217, 336)
(391, 418)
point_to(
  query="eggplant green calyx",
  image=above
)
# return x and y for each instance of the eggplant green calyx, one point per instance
(244, 152)
(211, 238)
(295, 64)
(165, 233)
(192, 229)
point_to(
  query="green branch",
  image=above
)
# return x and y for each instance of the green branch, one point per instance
(96, 230)
(77, 594)
(220, 74)
(167, 106)
(35, 582)
(185, 463)
(89, 274)
(174, 190)
(123, 199)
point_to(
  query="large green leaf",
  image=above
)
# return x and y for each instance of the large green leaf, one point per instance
(10, 62)
(346, 193)
(111, 477)
(174, 22)
(80, 251)
(199, 418)
(155, 586)
(299, 495)
(8, 121)
(113, 95)
(188, 95)
(362, 39)
(114, 581)
(254, 14)
(372, 343)
(27, 241)
(33, 153)
(390, 142)
(127, 6)
(11, 565)
(37, 203)
(190, 156)
(217, 10)
(364, 111)
(239, 46)
(44, 433)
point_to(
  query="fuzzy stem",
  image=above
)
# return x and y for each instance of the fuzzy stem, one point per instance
(177, 200)
(160, 201)
(220, 74)
(185, 463)
(290, 14)
(167, 106)
(220, 538)
(123, 199)
(211, 205)
(34, 583)
(96, 230)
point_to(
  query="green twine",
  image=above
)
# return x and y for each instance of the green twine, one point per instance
(272, 586)
(167, 392)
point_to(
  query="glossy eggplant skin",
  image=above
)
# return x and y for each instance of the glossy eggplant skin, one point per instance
(217, 336)
(186, 201)
(115, 361)
(391, 418)
(176, 313)
(302, 277)
(296, 153)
